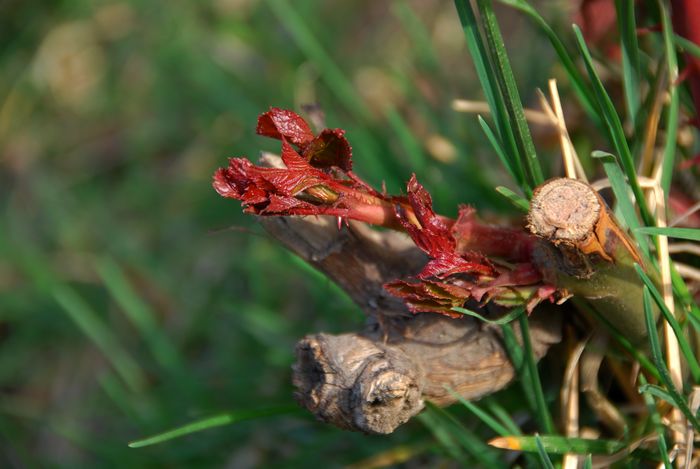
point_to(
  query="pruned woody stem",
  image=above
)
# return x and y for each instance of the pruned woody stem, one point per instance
(583, 249)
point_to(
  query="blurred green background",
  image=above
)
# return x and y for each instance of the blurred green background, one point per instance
(132, 298)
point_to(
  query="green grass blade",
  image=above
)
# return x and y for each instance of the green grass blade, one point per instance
(514, 314)
(490, 86)
(476, 47)
(692, 234)
(614, 127)
(212, 422)
(683, 295)
(544, 418)
(470, 442)
(509, 90)
(138, 312)
(442, 433)
(664, 395)
(581, 88)
(521, 204)
(123, 399)
(517, 358)
(656, 421)
(503, 416)
(482, 415)
(515, 171)
(630, 56)
(692, 362)
(418, 33)
(688, 46)
(337, 80)
(457, 439)
(413, 148)
(672, 111)
(659, 392)
(555, 444)
(673, 394)
(503, 426)
(542, 453)
(88, 321)
(588, 463)
(334, 77)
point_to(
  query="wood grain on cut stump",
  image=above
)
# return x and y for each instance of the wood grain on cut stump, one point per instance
(564, 210)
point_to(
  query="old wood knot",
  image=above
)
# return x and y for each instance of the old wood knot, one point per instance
(355, 383)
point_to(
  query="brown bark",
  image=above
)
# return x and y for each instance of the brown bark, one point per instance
(378, 378)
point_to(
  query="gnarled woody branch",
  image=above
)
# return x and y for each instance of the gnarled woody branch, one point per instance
(377, 379)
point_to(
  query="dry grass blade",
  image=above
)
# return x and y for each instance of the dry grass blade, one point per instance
(569, 398)
(687, 248)
(572, 164)
(591, 360)
(694, 404)
(687, 271)
(603, 461)
(482, 107)
(681, 218)
(673, 354)
(651, 128)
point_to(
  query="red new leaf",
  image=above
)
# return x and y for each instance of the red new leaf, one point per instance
(428, 230)
(280, 123)
(329, 149)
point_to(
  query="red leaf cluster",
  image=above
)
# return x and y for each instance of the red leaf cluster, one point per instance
(316, 180)
(469, 260)
(455, 274)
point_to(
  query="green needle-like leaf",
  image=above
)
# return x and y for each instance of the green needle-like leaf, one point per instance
(656, 420)
(489, 83)
(509, 89)
(543, 416)
(212, 422)
(100, 334)
(490, 422)
(581, 88)
(672, 111)
(514, 314)
(138, 312)
(514, 169)
(614, 127)
(554, 444)
(692, 234)
(674, 396)
(630, 56)
(518, 201)
(688, 46)
(671, 319)
(542, 452)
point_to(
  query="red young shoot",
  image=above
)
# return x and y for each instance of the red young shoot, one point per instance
(469, 260)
